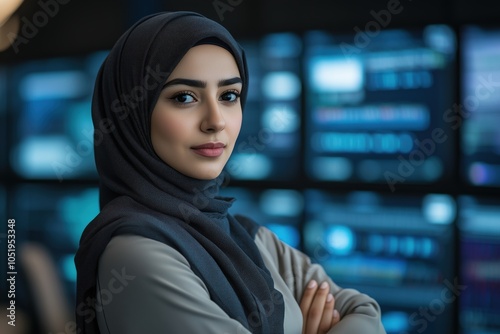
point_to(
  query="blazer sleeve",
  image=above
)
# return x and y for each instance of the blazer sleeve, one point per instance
(145, 286)
(359, 312)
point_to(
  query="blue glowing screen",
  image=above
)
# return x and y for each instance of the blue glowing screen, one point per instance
(53, 138)
(376, 112)
(55, 218)
(480, 117)
(269, 144)
(479, 235)
(280, 210)
(398, 249)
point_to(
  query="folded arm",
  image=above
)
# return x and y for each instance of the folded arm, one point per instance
(359, 313)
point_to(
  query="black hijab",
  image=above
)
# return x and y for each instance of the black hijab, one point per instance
(141, 195)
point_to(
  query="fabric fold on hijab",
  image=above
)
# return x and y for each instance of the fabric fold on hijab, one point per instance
(140, 194)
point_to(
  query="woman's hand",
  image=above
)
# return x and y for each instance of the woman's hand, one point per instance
(317, 309)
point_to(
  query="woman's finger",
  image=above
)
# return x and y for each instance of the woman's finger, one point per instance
(326, 320)
(335, 318)
(308, 296)
(315, 313)
(306, 301)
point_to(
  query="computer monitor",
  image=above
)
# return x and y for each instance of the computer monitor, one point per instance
(53, 131)
(479, 243)
(375, 105)
(399, 249)
(268, 147)
(280, 210)
(480, 116)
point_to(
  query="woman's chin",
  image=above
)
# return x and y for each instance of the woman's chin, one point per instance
(205, 175)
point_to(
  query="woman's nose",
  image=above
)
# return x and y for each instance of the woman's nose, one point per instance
(213, 120)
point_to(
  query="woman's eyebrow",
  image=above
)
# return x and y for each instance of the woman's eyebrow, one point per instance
(187, 82)
(227, 82)
(200, 83)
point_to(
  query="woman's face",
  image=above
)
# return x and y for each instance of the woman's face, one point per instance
(198, 115)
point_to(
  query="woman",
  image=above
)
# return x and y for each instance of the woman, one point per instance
(164, 255)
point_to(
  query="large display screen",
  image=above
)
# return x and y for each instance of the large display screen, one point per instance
(280, 210)
(479, 235)
(376, 107)
(397, 249)
(53, 132)
(480, 117)
(54, 218)
(269, 144)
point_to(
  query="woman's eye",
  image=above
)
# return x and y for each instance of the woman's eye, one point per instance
(183, 98)
(230, 96)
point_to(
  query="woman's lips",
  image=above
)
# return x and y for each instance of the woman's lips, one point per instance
(209, 149)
